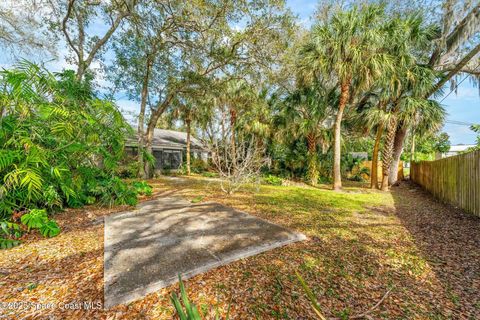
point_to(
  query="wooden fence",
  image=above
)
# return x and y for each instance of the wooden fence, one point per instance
(454, 180)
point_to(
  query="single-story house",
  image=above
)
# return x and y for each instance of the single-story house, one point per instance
(359, 155)
(454, 150)
(169, 148)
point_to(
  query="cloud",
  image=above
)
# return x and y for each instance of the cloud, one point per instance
(129, 109)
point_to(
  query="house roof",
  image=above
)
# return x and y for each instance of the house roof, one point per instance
(168, 139)
(460, 147)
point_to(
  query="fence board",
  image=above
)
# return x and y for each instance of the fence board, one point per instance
(454, 180)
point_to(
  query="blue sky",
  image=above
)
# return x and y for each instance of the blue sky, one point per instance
(464, 106)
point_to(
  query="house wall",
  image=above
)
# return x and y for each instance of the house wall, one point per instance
(169, 159)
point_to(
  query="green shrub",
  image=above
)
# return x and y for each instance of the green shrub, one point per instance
(198, 165)
(114, 191)
(50, 229)
(209, 174)
(142, 187)
(38, 219)
(359, 174)
(54, 135)
(8, 243)
(60, 146)
(35, 219)
(272, 180)
(129, 168)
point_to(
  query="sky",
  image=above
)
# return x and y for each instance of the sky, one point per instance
(463, 106)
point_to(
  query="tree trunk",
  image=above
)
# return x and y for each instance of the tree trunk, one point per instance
(397, 153)
(141, 120)
(387, 152)
(80, 71)
(152, 123)
(376, 148)
(344, 92)
(233, 122)
(188, 123)
(312, 171)
(148, 148)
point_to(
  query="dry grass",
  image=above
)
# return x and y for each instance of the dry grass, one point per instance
(361, 244)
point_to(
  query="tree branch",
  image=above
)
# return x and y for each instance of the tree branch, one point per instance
(454, 35)
(64, 27)
(455, 70)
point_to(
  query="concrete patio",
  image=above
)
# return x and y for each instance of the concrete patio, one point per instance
(146, 248)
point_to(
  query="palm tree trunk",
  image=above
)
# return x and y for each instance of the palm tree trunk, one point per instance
(376, 148)
(387, 152)
(344, 93)
(312, 171)
(188, 123)
(397, 153)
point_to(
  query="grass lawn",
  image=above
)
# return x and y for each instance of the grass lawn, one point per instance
(362, 244)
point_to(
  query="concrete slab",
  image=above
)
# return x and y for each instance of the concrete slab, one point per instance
(146, 248)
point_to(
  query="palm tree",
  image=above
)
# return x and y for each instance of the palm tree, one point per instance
(348, 49)
(407, 108)
(420, 116)
(303, 114)
(236, 97)
(407, 36)
(192, 109)
(373, 116)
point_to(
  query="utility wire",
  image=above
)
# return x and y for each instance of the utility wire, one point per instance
(455, 88)
(460, 123)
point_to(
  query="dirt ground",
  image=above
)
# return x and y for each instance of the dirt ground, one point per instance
(417, 257)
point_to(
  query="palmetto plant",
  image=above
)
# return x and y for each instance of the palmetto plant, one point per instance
(348, 49)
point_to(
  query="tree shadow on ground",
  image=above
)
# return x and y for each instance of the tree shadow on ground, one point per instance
(449, 239)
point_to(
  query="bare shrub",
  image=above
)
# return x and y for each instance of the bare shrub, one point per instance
(236, 156)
